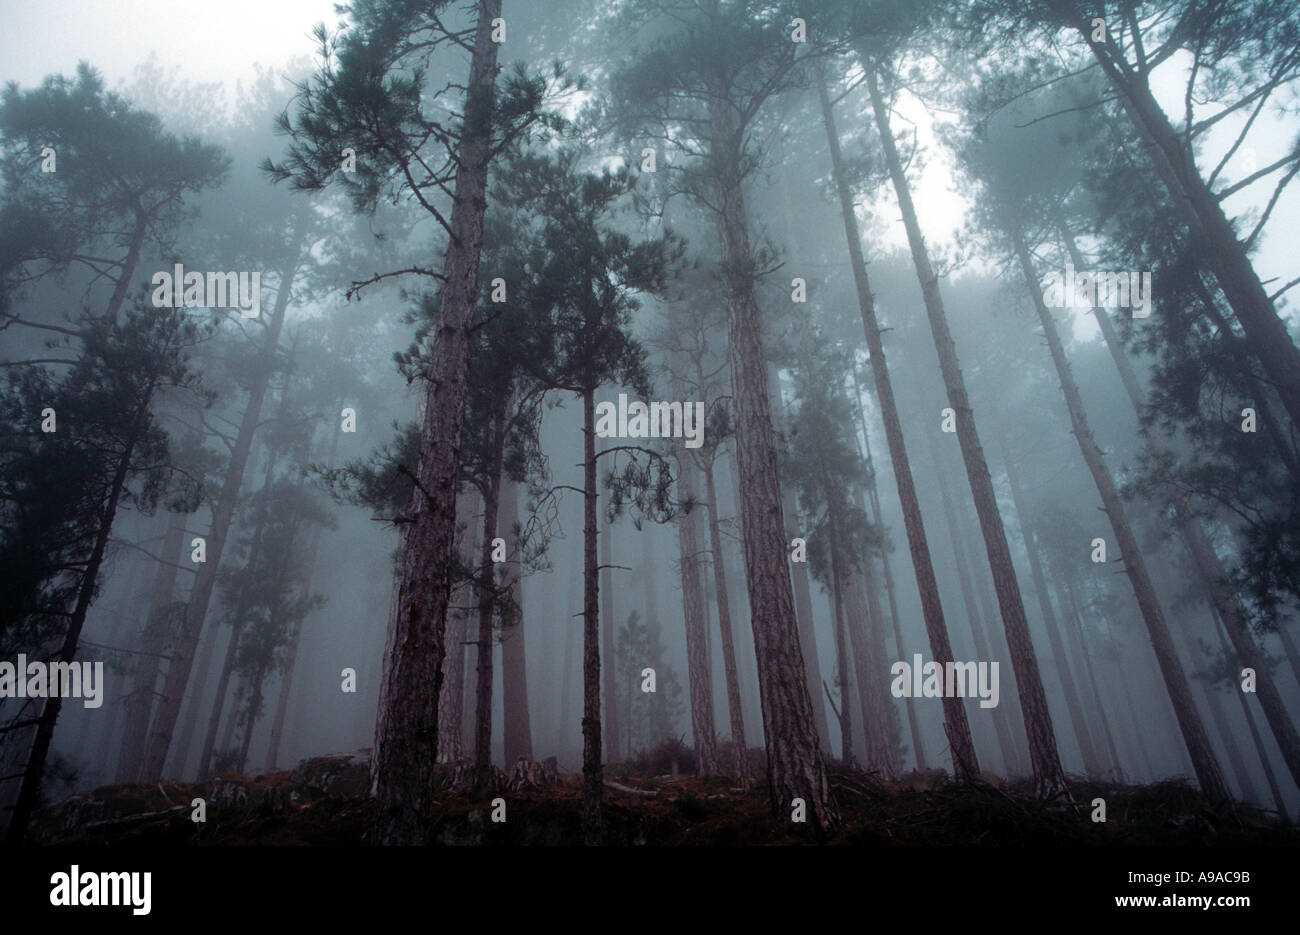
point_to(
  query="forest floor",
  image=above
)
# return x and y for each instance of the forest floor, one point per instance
(322, 802)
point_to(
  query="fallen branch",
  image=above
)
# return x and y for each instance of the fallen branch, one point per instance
(132, 820)
(630, 791)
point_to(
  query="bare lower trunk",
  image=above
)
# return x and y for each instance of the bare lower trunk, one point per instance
(592, 767)
(1091, 764)
(153, 642)
(841, 656)
(607, 627)
(873, 496)
(486, 606)
(1044, 759)
(695, 614)
(1197, 742)
(799, 578)
(796, 768)
(724, 626)
(1001, 726)
(516, 726)
(866, 638)
(451, 706)
(956, 726)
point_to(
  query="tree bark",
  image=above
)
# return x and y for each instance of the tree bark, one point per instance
(956, 727)
(799, 578)
(592, 767)
(1006, 743)
(1204, 762)
(695, 615)
(516, 725)
(873, 496)
(406, 731)
(1091, 763)
(795, 765)
(1209, 568)
(608, 624)
(732, 673)
(487, 584)
(1044, 759)
(451, 707)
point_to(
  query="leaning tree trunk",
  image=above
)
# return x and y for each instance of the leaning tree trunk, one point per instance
(1001, 724)
(795, 765)
(592, 768)
(956, 726)
(1208, 566)
(237, 626)
(29, 791)
(866, 638)
(153, 642)
(1204, 762)
(873, 496)
(695, 613)
(516, 727)
(1202, 211)
(406, 731)
(1091, 763)
(179, 668)
(724, 626)
(1044, 759)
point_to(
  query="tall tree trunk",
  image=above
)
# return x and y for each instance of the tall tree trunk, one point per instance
(592, 767)
(1091, 762)
(795, 765)
(1073, 627)
(452, 699)
(295, 641)
(516, 723)
(181, 664)
(29, 791)
(873, 496)
(799, 578)
(1204, 762)
(153, 642)
(129, 264)
(956, 727)
(1249, 715)
(607, 627)
(406, 730)
(1202, 211)
(841, 648)
(1209, 569)
(1006, 743)
(237, 625)
(1044, 759)
(695, 614)
(487, 584)
(730, 669)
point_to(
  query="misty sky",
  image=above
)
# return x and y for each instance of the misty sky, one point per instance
(227, 44)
